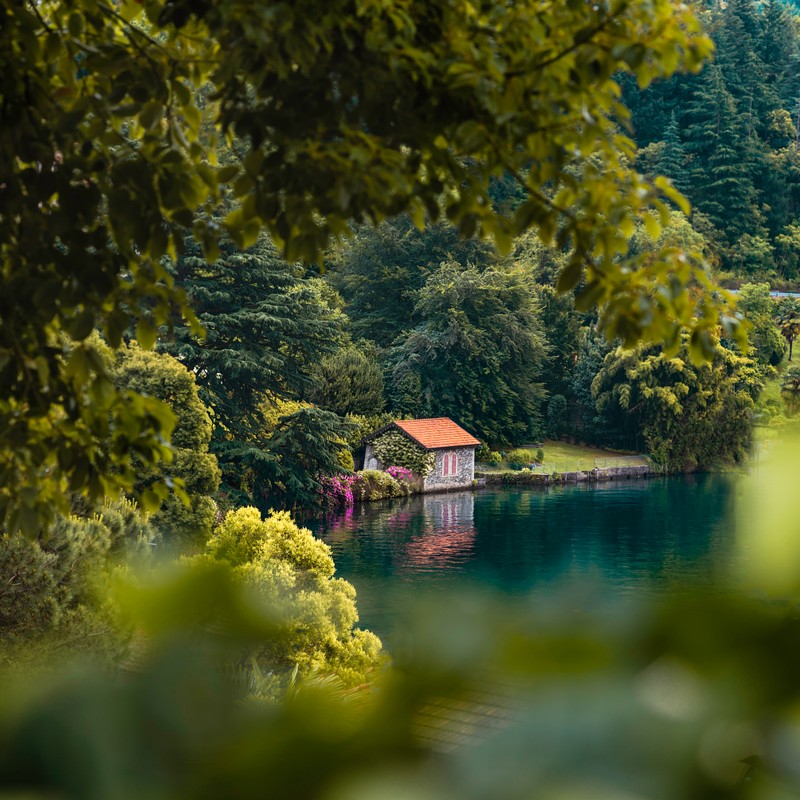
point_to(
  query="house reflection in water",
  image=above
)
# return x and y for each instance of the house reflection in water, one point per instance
(447, 538)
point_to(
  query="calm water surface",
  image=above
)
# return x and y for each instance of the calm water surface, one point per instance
(634, 537)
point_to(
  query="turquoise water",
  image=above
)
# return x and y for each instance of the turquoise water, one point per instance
(633, 537)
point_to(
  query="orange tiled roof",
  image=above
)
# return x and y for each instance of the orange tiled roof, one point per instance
(436, 433)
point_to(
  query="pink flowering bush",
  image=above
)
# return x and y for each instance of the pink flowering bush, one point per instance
(337, 490)
(401, 474)
(341, 491)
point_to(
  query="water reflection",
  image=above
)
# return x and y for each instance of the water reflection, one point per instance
(634, 536)
(447, 538)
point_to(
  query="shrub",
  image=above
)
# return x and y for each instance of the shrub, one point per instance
(345, 459)
(376, 485)
(519, 457)
(495, 457)
(540, 455)
(294, 573)
(482, 453)
(400, 474)
(337, 490)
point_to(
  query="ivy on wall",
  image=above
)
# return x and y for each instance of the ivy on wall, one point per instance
(395, 449)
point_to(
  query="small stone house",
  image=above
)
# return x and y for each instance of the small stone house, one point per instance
(451, 446)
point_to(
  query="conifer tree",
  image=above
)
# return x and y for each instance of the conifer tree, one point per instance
(672, 160)
(721, 182)
(267, 328)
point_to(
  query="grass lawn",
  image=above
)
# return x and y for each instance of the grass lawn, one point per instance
(564, 457)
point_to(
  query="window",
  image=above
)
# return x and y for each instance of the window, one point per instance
(450, 464)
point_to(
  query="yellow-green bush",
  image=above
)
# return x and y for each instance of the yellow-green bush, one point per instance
(294, 574)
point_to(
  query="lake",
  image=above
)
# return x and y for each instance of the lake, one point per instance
(633, 537)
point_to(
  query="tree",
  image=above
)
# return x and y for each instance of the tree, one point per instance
(690, 417)
(671, 161)
(477, 355)
(788, 317)
(349, 382)
(380, 271)
(754, 301)
(292, 572)
(721, 171)
(417, 106)
(790, 387)
(266, 330)
(187, 518)
(556, 416)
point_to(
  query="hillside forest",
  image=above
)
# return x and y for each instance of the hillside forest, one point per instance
(561, 221)
(299, 363)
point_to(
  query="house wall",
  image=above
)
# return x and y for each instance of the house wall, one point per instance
(371, 461)
(465, 470)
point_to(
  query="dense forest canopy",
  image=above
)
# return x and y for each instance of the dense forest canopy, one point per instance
(417, 107)
(235, 238)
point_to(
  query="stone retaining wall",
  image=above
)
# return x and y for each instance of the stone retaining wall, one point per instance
(517, 478)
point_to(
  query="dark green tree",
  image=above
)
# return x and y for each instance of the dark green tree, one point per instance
(689, 417)
(350, 381)
(589, 425)
(266, 329)
(720, 172)
(671, 161)
(380, 271)
(477, 356)
(557, 422)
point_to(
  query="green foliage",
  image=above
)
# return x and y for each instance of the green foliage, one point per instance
(494, 457)
(540, 455)
(187, 514)
(790, 388)
(519, 458)
(266, 328)
(689, 417)
(53, 593)
(359, 427)
(758, 308)
(418, 107)
(373, 484)
(395, 449)
(556, 416)
(482, 452)
(788, 319)
(380, 271)
(477, 355)
(281, 467)
(727, 138)
(350, 381)
(592, 426)
(292, 573)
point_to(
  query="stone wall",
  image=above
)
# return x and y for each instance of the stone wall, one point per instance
(436, 481)
(539, 478)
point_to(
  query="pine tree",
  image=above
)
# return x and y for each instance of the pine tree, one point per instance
(721, 182)
(266, 328)
(672, 159)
